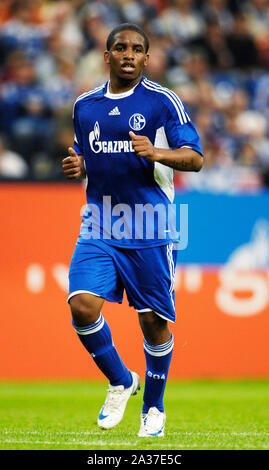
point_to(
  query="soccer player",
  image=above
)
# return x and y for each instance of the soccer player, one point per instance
(130, 134)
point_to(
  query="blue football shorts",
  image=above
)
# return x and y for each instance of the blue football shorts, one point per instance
(147, 275)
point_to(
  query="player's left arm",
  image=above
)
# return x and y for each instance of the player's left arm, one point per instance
(182, 159)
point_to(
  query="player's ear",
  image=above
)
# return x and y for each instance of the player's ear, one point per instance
(146, 60)
(107, 57)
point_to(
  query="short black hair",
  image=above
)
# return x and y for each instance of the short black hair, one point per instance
(126, 27)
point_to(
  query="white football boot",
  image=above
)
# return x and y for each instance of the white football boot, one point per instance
(152, 423)
(113, 409)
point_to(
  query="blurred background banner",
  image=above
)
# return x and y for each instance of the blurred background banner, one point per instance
(222, 295)
(215, 55)
(226, 229)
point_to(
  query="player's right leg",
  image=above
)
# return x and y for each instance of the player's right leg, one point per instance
(92, 279)
(95, 335)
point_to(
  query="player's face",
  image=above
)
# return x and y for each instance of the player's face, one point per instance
(127, 56)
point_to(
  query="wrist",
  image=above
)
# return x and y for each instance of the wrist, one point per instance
(157, 155)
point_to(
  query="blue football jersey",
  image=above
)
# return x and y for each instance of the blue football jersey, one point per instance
(129, 198)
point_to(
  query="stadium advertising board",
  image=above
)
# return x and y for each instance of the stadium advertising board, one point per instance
(221, 283)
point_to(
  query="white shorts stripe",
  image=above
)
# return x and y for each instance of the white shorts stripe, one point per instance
(76, 292)
(171, 269)
(156, 313)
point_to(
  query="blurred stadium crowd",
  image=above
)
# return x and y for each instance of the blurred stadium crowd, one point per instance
(214, 54)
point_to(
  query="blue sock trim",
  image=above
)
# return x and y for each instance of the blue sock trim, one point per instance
(97, 340)
(89, 329)
(158, 360)
(160, 349)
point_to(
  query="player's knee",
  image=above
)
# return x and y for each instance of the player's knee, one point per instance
(151, 320)
(155, 328)
(84, 311)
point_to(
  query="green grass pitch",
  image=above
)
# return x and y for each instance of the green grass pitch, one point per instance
(202, 415)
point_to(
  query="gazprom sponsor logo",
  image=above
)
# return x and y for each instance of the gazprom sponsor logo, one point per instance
(108, 146)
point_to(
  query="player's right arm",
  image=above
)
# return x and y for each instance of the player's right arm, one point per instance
(73, 165)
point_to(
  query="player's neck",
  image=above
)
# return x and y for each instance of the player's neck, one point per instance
(118, 86)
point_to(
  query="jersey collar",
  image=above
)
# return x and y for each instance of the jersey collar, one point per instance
(118, 96)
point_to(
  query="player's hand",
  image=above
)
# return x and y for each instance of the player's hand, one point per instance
(143, 146)
(73, 165)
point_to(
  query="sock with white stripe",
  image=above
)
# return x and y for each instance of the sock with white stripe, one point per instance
(97, 339)
(158, 360)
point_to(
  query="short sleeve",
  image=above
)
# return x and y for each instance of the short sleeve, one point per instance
(78, 142)
(179, 129)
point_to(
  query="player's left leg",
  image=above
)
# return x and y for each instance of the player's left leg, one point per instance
(148, 277)
(158, 347)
